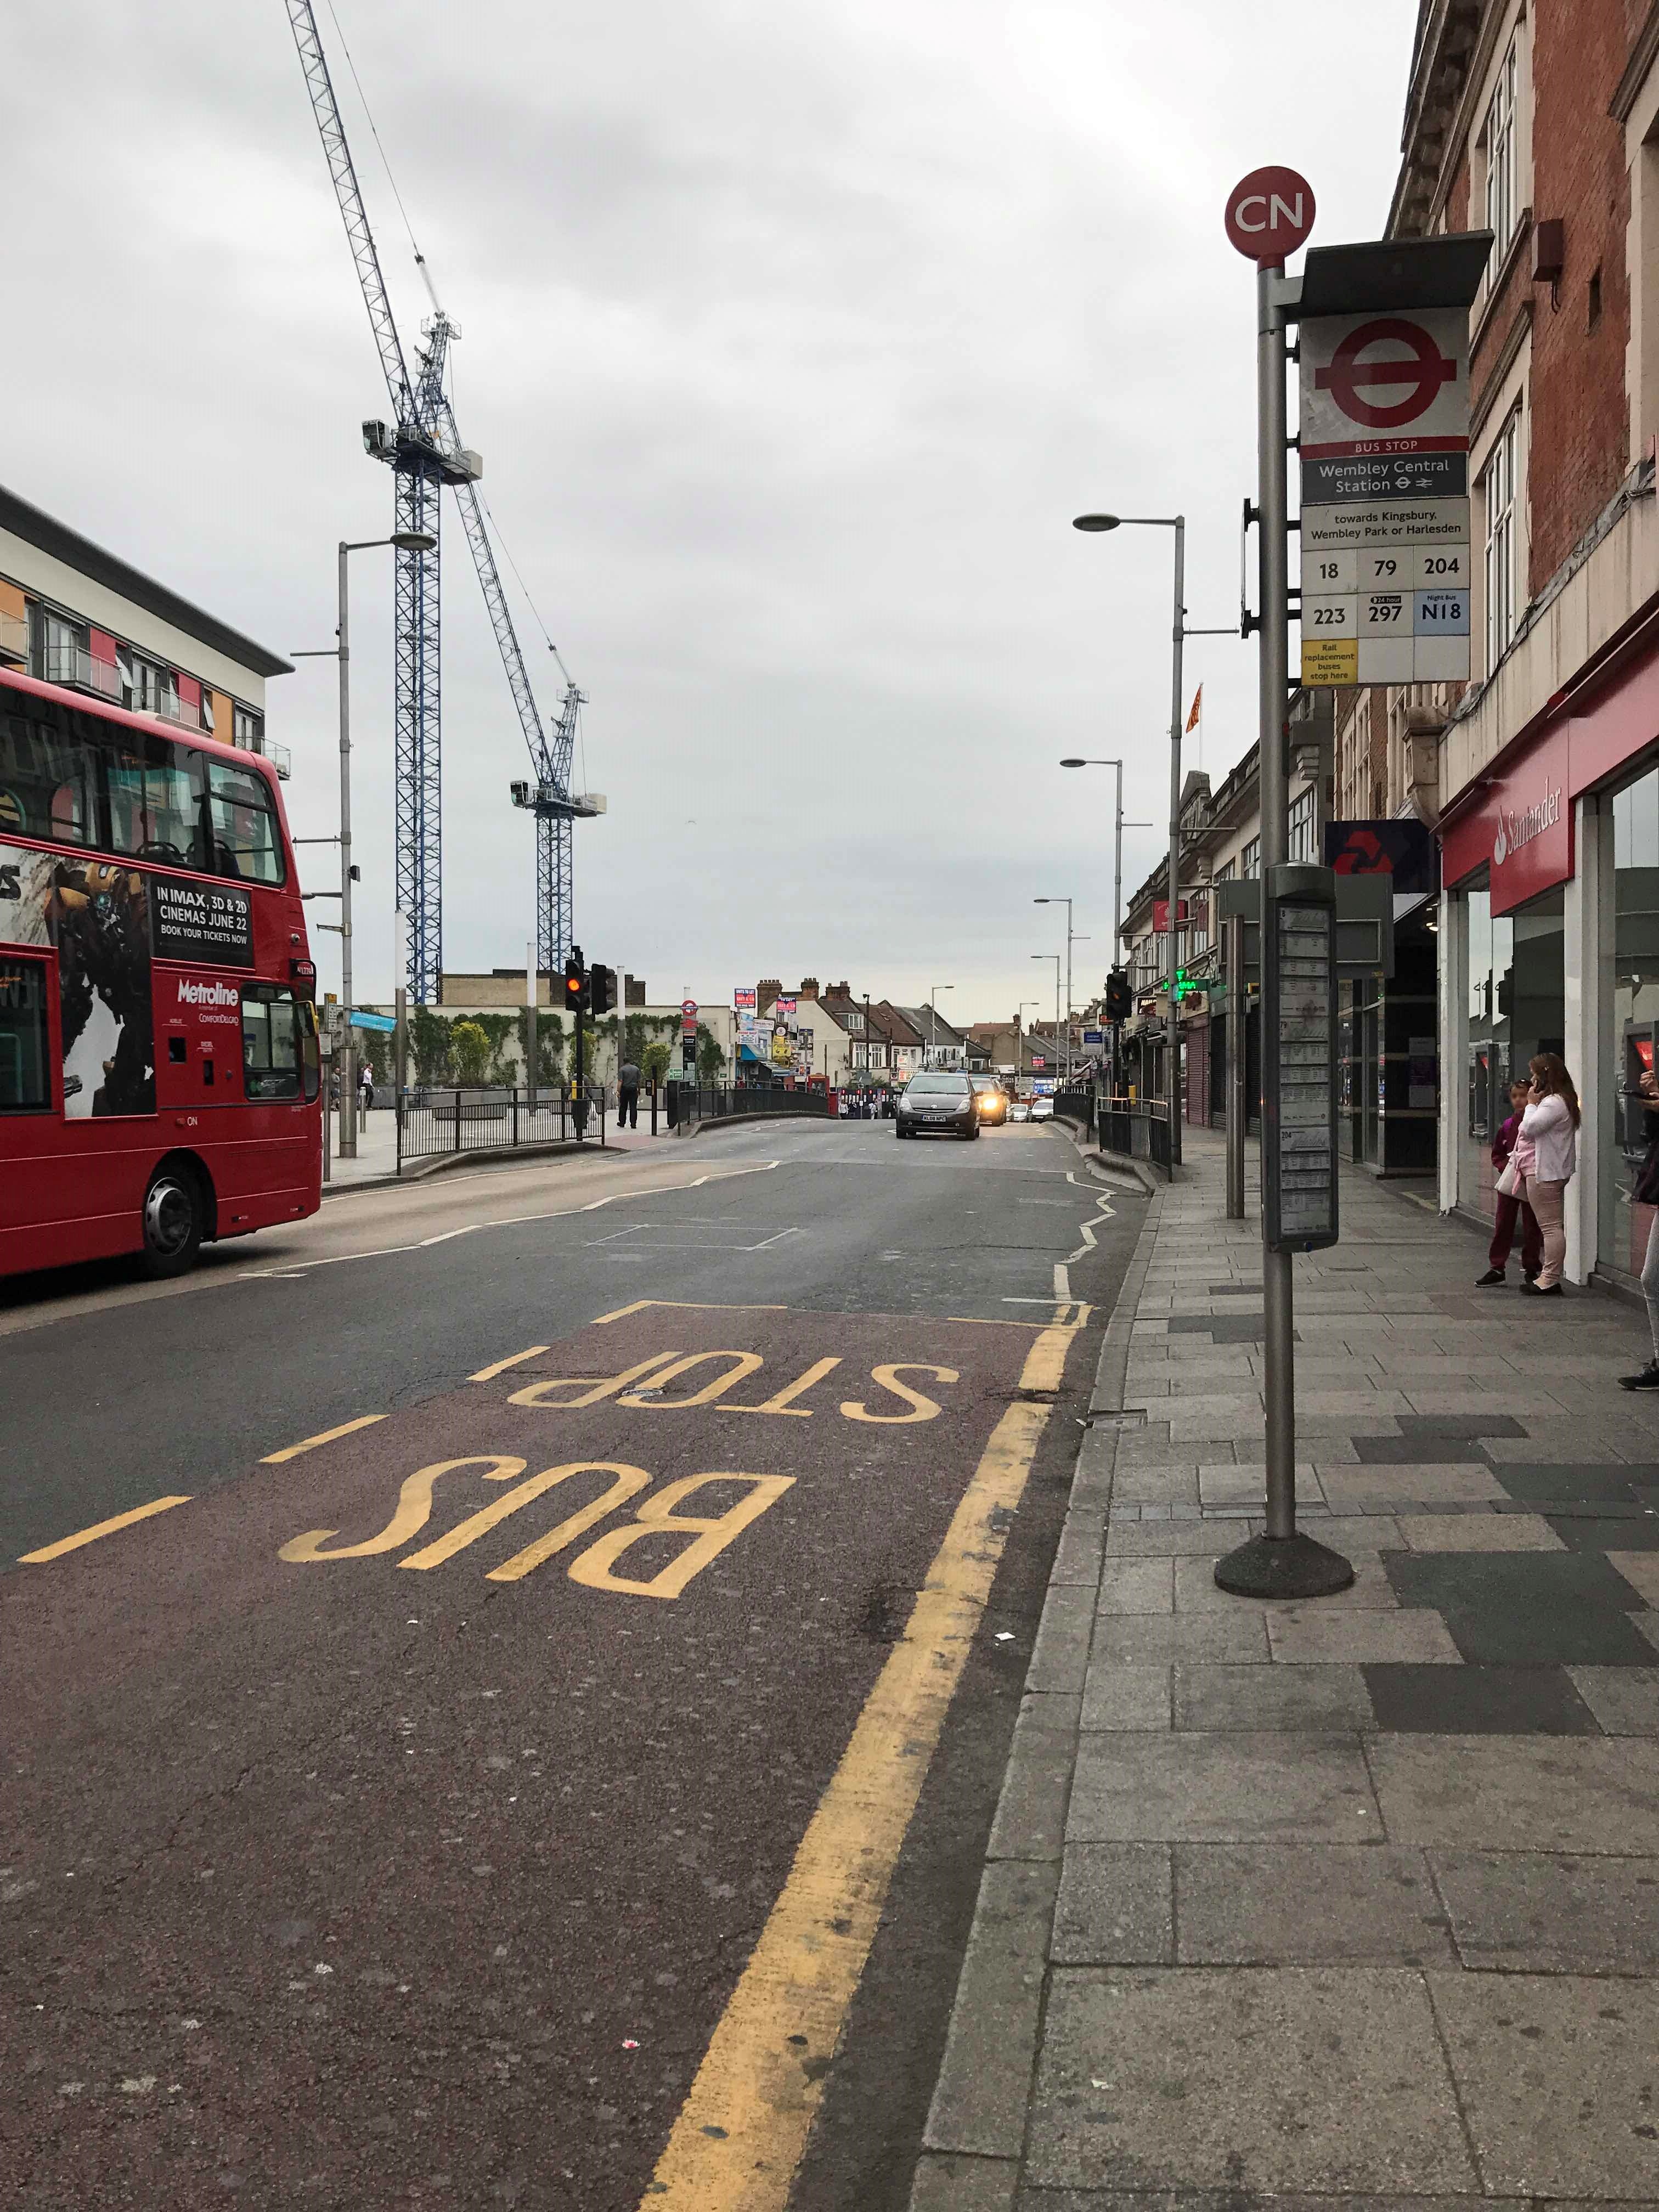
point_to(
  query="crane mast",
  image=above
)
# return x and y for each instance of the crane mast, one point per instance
(422, 447)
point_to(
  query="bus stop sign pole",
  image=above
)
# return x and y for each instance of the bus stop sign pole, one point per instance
(1281, 1562)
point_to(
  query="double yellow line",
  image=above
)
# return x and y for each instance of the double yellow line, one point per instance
(741, 2132)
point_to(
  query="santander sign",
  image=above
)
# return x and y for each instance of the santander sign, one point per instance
(1516, 829)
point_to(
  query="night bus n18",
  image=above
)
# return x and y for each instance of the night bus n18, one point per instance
(158, 1075)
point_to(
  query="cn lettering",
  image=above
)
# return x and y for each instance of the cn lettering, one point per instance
(1277, 210)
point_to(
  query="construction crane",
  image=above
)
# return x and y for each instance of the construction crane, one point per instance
(422, 447)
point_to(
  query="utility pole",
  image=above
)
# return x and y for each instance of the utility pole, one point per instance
(532, 979)
(1178, 636)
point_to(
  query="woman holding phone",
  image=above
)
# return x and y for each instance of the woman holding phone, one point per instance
(1546, 1155)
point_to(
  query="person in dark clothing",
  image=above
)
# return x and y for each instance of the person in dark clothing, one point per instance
(628, 1095)
(1646, 1193)
(1510, 1210)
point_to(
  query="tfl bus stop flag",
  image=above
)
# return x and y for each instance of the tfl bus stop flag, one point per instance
(1385, 497)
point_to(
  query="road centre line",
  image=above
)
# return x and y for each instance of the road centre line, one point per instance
(685, 1305)
(302, 1268)
(739, 2138)
(488, 1374)
(99, 1528)
(327, 1437)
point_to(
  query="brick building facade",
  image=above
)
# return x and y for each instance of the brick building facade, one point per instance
(1540, 123)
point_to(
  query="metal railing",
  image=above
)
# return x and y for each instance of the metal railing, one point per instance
(688, 1104)
(1138, 1128)
(431, 1124)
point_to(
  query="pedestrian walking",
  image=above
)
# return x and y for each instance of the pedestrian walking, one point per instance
(366, 1090)
(1545, 1157)
(1646, 1193)
(628, 1095)
(1512, 1209)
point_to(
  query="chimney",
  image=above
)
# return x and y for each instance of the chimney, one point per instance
(809, 988)
(765, 991)
(633, 991)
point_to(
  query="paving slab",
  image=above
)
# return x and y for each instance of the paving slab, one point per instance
(1146, 1639)
(1249, 1787)
(1478, 1700)
(1558, 2077)
(1537, 1913)
(1140, 2083)
(1116, 1906)
(1137, 1483)
(1641, 1571)
(1624, 1700)
(1409, 1481)
(1306, 1636)
(1265, 1904)
(1135, 1698)
(1478, 1532)
(1522, 1793)
(1138, 1586)
(1324, 1699)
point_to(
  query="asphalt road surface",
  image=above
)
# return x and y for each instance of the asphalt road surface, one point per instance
(531, 1735)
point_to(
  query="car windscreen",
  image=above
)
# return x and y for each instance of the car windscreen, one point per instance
(950, 1087)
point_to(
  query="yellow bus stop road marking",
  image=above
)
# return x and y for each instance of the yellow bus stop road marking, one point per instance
(328, 1436)
(741, 2131)
(501, 1366)
(99, 1528)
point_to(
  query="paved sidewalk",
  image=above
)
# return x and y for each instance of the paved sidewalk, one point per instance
(1351, 1899)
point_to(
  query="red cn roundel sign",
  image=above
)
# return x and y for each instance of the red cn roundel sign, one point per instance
(1269, 214)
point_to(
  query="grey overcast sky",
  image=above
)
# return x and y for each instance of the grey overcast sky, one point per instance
(793, 335)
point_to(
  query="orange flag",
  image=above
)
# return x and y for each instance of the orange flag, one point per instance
(1198, 709)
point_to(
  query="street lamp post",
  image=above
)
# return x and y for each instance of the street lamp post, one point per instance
(934, 990)
(1120, 826)
(1178, 636)
(406, 541)
(1019, 1040)
(1055, 956)
(1066, 903)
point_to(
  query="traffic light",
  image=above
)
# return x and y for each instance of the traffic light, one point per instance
(575, 983)
(1120, 999)
(601, 989)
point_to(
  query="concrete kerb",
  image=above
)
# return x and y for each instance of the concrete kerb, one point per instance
(1104, 1163)
(975, 2129)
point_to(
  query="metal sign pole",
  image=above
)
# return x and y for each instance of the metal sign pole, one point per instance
(1280, 1562)
(1237, 1060)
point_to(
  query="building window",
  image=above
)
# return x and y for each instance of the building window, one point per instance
(1498, 486)
(1303, 826)
(1225, 875)
(1249, 860)
(1502, 212)
(247, 729)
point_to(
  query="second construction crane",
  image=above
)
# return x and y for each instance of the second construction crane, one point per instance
(423, 445)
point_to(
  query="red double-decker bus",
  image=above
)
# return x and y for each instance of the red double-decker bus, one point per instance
(159, 1073)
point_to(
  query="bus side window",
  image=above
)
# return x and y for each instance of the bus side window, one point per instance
(25, 1079)
(273, 1058)
(243, 824)
(155, 797)
(308, 1053)
(47, 777)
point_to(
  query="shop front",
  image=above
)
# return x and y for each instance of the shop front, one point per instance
(1549, 929)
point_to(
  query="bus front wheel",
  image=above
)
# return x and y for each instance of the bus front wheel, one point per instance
(173, 1222)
